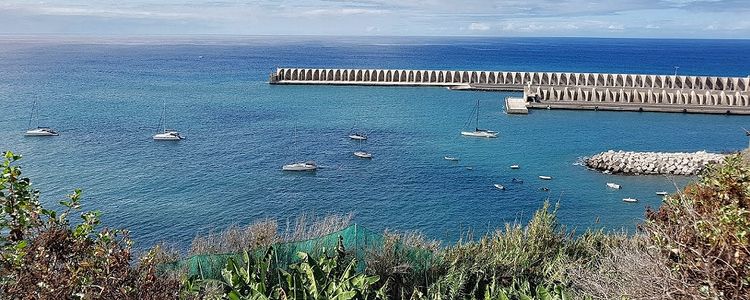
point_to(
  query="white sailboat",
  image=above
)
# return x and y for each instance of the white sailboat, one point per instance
(477, 132)
(306, 166)
(34, 128)
(165, 134)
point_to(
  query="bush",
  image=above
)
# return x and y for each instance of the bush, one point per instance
(43, 256)
(705, 231)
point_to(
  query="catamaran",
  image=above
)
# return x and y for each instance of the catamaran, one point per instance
(165, 134)
(38, 131)
(477, 131)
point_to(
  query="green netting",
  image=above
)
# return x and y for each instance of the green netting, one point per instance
(356, 240)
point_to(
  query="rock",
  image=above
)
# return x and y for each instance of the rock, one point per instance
(629, 162)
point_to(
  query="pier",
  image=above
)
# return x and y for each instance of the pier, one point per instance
(557, 90)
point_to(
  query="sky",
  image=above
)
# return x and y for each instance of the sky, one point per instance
(590, 18)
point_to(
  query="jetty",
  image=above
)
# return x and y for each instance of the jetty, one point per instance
(652, 163)
(556, 90)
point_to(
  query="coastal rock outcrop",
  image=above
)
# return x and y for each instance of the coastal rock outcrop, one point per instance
(652, 163)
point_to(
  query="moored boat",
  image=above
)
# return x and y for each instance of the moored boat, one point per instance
(307, 166)
(477, 132)
(542, 177)
(499, 186)
(358, 136)
(613, 185)
(451, 158)
(514, 167)
(630, 200)
(168, 135)
(362, 154)
(41, 131)
(662, 193)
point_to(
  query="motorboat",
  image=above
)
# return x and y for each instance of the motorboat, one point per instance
(363, 154)
(358, 136)
(168, 135)
(499, 186)
(662, 193)
(613, 185)
(630, 200)
(451, 158)
(41, 131)
(477, 132)
(307, 166)
(545, 177)
(515, 167)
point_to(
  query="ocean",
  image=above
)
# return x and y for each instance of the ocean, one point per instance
(105, 97)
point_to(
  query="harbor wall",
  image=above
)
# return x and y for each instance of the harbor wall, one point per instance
(557, 90)
(652, 163)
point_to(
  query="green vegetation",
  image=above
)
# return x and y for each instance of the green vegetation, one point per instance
(696, 245)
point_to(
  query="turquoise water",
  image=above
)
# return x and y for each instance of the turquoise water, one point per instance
(106, 98)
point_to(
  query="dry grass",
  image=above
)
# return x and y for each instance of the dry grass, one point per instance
(266, 232)
(630, 270)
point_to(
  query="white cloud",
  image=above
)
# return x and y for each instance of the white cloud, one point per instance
(477, 26)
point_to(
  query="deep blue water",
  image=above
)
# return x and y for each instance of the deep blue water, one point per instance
(106, 98)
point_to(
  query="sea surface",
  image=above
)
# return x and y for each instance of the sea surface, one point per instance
(105, 96)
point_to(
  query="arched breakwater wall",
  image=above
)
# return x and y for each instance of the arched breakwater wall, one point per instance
(652, 163)
(566, 90)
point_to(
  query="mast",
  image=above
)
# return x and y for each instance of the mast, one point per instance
(477, 123)
(31, 116)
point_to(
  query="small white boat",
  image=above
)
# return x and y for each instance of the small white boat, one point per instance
(499, 186)
(606, 172)
(301, 167)
(451, 158)
(358, 136)
(362, 154)
(662, 193)
(613, 185)
(630, 200)
(545, 177)
(470, 168)
(168, 135)
(514, 167)
(41, 131)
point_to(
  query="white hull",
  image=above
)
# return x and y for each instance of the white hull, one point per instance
(662, 193)
(514, 167)
(357, 137)
(485, 134)
(630, 200)
(41, 132)
(362, 154)
(499, 186)
(545, 177)
(613, 185)
(300, 167)
(168, 136)
(451, 158)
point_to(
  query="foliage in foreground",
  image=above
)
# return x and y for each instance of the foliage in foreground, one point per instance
(327, 277)
(695, 246)
(43, 256)
(705, 231)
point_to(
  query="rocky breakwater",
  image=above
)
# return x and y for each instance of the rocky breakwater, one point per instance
(651, 163)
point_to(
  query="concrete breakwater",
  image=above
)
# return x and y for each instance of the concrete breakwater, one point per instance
(652, 163)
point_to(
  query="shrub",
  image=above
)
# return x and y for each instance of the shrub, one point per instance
(43, 256)
(706, 231)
